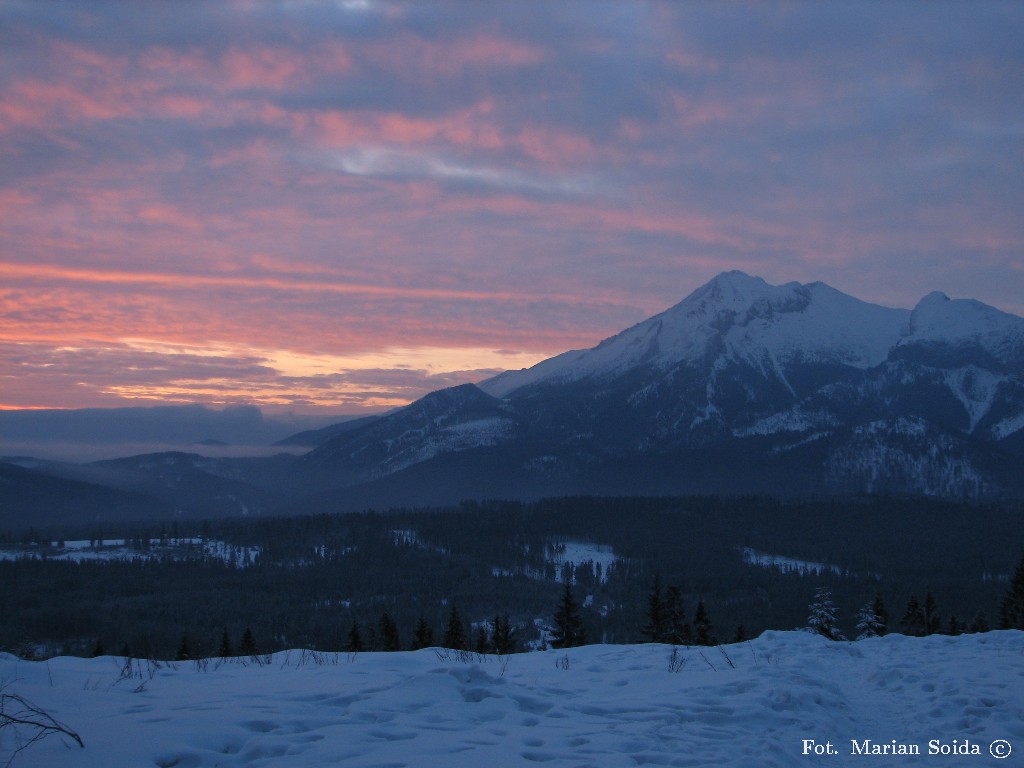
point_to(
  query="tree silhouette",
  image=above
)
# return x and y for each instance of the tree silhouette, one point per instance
(424, 635)
(389, 633)
(248, 646)
(1011, 610)
(225, 649)
(455, 633)
(655, 629)
(184, 652)
(932, 619)
(677, 630)
(503, 640)
(913, 622)
(355, 640)
(702, 626)
(568, 630)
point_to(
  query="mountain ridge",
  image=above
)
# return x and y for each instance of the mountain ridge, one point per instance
(740, 388)
(875, 399)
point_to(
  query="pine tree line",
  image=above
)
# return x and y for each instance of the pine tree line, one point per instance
(666, 619)
(918, 619)
(497, 636)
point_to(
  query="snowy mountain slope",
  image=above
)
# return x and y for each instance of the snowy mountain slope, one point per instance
(735, 317)
(967, 326)
(775, 379)
(450, 420)
(760, 703)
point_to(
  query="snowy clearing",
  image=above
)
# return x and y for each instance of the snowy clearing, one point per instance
(118, 549)
(787, 564)
(578, 553)
(750, 705)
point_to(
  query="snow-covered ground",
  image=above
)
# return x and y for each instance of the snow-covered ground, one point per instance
(786, 564)
(580, 552)
(569, 551)
(769, 702)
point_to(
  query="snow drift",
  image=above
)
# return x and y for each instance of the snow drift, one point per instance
(753, 704)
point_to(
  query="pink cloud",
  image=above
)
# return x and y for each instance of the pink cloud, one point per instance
(413, 55)
(559, 148)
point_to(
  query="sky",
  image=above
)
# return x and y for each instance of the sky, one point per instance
(337, 207)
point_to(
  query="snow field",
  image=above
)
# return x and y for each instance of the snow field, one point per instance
(749, 705)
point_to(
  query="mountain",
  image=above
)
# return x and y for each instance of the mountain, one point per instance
(29, 497)
(311, 438)
(741, 387)
(190, 485)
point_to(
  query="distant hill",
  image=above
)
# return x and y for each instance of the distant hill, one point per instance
(314, 437)
(32, 498)
(91, 433)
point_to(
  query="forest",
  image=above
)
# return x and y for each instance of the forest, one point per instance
(726, 568)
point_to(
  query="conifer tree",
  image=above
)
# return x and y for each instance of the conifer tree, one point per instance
(980, 623)
(1011, 610)
(913, 622)
(678, 631)
(184, 653)
(455, 634)
(568, 630)
(954, 627)
(655, 629)
(872, 619)
(248, 646)
(932, 619)
(822, 615)
(881, 614)
(225, 649)
(355, 639)
(503, 640)
(482, 642)
(389, 633)
(702, 627)
(424, 635)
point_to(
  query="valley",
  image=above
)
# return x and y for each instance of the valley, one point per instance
(306, 581)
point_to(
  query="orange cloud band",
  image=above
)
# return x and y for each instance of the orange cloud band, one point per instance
(120, 277)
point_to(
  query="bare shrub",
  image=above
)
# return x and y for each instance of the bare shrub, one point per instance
(26, 724)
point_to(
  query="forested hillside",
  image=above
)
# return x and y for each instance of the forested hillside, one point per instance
(755, 564)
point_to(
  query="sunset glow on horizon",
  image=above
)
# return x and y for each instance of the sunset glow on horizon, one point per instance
(339, 207)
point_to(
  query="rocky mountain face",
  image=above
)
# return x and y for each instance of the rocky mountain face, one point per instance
(741, 387)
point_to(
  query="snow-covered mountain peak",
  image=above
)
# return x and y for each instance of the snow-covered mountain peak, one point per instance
(938, 315)
(940, 320)
(733, 317)
(733, 287)
(741, 385)
(736, 296)
(936, 298)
